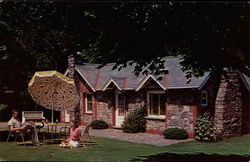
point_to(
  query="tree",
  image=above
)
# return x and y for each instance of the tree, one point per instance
(207, 36)
(40, 36)
(132, 31)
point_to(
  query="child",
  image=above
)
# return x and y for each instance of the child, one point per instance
(74, 139)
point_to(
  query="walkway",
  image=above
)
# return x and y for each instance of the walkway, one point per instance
(145, 138)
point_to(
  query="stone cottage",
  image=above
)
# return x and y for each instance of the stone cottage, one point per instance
(171, 102)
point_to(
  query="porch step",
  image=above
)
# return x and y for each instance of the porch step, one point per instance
(117, 127)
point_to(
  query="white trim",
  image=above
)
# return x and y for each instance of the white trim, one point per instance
(160, 117)
(156, 91)
(204, 82)
(86, 103)
(144, 81)
(122, 89)
(118, 119)
(205, 104)
(85, 80)
(108, 83)
(66, 72)
(244, 80)
(188, 87)
(148, 100)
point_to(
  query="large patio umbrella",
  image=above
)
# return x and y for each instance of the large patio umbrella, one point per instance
(53, 90)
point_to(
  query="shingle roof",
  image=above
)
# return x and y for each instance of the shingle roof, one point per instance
(127, 80)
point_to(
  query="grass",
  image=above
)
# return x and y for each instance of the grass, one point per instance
(236, 146)
(115, 150)
(105, 150)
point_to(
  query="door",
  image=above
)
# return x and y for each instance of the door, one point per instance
(119, 108)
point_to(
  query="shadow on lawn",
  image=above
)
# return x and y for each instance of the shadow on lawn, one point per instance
(171, 157)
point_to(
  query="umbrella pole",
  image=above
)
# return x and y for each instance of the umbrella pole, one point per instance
(53, 103)
(52, 118)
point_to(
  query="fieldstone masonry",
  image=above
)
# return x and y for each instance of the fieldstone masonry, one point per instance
(74, 114)
(156, 124)
(134, 100)
(180, 116)
(105, 106)
(228, 105)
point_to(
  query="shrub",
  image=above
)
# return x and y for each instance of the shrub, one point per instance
(205, 130)
(175, 133)
(135, 121)
(99, 124)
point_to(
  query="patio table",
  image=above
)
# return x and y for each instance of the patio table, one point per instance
(53, 133)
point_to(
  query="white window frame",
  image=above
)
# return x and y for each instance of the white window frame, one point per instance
(86, 103)
(124, 104)
(148, 104)
(204, 98)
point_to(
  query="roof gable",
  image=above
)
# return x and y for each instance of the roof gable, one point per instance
(99, 79)
(111, 81)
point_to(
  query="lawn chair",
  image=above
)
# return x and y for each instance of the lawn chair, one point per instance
(85, 138)
(16, 134)
(64, 132)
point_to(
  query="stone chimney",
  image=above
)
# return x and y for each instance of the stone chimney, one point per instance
(75, 113)
(228, 104)
(71, 66)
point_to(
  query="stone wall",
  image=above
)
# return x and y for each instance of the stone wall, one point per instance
(75, 113)
(134, 100)
(86, 118)
(245, 111)
(180, 116)
(228, 105)
(105, 106)
(156, 124)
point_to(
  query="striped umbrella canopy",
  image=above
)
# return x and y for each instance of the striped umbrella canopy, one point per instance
(53, 90)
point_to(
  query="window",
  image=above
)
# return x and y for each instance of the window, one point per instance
(156, 103)
(121, 100)
(88, 103)
(204, 98)
(121, 104)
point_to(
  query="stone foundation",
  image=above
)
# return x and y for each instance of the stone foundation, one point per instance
(156, 125)
(228, 105)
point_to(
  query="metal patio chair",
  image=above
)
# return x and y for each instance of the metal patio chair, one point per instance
(64, 132)
(15, 134)
(85, 138)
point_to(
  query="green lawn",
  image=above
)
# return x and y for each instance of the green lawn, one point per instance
(105, 150)
(114, 150)
(237, 146)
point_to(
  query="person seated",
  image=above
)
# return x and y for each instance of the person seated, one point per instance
(74, 139)
(16, 126)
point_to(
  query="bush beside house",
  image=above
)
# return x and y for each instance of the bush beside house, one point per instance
(135, 121)
(205, 130)
(175, 133)
(99, 124)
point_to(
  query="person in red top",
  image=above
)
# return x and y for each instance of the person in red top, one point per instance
(75, 134)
